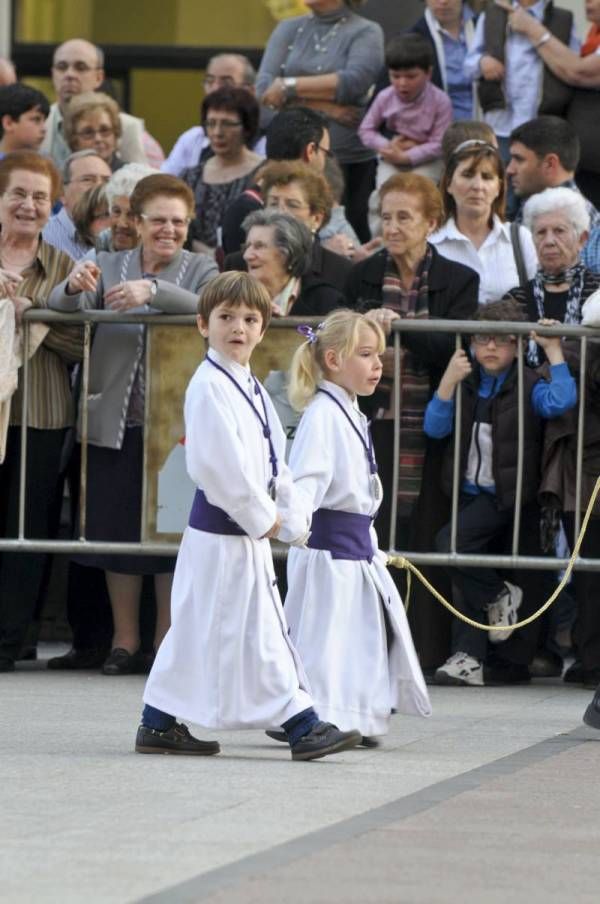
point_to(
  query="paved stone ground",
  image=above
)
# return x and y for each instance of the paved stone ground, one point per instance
(495, 798)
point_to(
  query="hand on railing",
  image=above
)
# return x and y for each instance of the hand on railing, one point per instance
(384, 317)
(126, 295)
(83, 278)
(20, 305)
(552, 345)
(459, 367)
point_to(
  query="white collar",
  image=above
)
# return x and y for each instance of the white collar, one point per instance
(241, 372)
(451, 231)
(341, 395)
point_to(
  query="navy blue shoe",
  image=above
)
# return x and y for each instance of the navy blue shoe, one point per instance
(591, 716)
(323, 739)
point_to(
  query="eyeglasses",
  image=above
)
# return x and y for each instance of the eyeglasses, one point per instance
(326, 151)
(255, 246)
(89, 134)
(161, 222)
(213, 124)
(88, 180)
(223, 81)
(78, 66)
(117, 213)
(287, 204)
(486, 338)
(20, 195)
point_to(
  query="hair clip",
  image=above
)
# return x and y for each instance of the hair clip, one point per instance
(308, 332)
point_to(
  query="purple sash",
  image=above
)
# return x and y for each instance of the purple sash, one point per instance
(212, 519)
(345, 534)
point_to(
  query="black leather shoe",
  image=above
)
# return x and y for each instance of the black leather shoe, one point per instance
(500, 671)
(28, 653)
(574, 674)
(121, 662)
(277, 736)
(78, 659)
(176, 739)
(323, 739)
(546, 665)
(591, 679)
(591, 716)
(370, 742)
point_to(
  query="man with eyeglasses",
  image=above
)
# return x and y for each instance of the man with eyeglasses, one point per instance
(82, 171)
(226, 70)
(78, 66)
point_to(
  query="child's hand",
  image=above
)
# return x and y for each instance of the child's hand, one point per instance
(552, 345)
(393, 154)
(458, 368)
(271, 534)
(491, 69)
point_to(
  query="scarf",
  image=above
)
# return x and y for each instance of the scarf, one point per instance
(592, 41)
(414, 376)
(575, 277)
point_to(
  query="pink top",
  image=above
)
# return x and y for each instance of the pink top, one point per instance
(424, 120)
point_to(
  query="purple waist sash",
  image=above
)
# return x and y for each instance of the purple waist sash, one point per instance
(345, 534)
(212, 519)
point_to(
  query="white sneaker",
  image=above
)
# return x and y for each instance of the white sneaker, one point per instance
(460, 669)
(503, 611)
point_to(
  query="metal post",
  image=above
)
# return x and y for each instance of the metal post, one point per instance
(396, 466)
(147, 378)
(85, 389)
(456, 463)
(580, 432)
(24, 412)
(520, 448)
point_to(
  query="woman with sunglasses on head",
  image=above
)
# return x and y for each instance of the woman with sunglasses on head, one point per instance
(230, 119)
(474, 233)
(156, 276)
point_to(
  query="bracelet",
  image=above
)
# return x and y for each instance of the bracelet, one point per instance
(543, 40)
(290, 88)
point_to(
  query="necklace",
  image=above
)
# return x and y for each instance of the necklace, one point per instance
(320, 44)
(376, 488)
(264, 423)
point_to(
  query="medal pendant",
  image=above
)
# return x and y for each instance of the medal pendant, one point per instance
(273, 490)
(376, 488)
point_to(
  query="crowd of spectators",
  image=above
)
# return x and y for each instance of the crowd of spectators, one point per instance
(444, 173)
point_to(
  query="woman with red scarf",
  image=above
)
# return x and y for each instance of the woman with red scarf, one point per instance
(583, 73)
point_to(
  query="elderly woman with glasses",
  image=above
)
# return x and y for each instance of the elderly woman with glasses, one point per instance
(92, 122)
(473, 232)
(279, 252)
(157, 276)
(230, 119)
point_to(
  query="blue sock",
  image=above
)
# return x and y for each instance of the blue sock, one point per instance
(157, 719)
(300, 724)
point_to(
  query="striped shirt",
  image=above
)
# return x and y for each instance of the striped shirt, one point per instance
(50, 403)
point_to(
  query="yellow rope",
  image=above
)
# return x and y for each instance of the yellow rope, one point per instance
(402, 562)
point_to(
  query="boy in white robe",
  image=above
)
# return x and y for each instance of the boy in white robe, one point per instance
(227, 661)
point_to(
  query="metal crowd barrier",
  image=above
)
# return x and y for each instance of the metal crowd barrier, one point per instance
(458, 327)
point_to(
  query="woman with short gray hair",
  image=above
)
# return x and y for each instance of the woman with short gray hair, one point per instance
(278, 252)
(559, 223)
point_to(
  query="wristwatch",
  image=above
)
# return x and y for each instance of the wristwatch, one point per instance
(153, 289)
(290, 88)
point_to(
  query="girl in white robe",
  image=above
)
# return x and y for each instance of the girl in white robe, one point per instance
(345, 615)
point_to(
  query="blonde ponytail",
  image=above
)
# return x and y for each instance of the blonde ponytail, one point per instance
(340, 332)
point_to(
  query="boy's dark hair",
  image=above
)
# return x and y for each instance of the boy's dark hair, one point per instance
(506, 310)
(291, 131)
(17, 99)
(235, 288)
(550, 135)
(409, 51)
(465, 130)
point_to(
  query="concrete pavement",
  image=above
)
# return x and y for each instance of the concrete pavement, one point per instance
(495, 796)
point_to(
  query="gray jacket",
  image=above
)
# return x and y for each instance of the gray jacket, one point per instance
(117, 348)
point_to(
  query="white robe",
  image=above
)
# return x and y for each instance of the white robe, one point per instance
(335, 607)
(227, 661)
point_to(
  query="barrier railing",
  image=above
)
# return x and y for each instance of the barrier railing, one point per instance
(459, 328)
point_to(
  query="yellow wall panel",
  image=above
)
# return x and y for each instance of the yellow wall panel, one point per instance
(168, 100)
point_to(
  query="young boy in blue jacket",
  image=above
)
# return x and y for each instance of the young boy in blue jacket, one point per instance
(488, 469)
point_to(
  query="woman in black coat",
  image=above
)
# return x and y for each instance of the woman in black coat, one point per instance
(409, 279)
